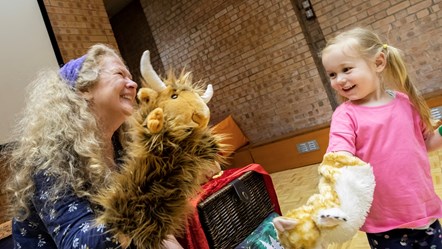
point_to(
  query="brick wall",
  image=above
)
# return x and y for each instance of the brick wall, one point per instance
(255, 55)
(255, 52)
(78, 24)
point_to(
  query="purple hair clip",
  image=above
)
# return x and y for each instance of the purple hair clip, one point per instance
(70, 70)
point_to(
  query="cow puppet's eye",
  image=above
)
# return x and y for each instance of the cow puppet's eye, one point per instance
(174, 96)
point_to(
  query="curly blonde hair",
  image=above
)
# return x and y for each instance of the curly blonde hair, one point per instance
(58, 135)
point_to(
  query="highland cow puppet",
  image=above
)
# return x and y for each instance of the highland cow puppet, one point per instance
(171, 148)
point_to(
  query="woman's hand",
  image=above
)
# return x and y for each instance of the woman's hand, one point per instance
(124, 241)
(171, 243)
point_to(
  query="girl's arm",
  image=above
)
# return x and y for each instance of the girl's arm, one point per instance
(434, 140)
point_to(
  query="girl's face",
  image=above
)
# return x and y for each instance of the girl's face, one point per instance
(113, 96)
(352, 76)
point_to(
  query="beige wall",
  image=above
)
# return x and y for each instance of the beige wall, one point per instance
(25, 49)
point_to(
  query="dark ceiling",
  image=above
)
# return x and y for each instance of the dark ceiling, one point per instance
(114, 6)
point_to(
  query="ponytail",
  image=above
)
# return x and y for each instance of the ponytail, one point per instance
(396, 72)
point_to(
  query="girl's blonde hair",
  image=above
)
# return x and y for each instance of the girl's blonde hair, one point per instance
(58, 135)
(368, 45)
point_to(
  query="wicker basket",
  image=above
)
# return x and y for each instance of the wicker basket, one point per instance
(232, 213)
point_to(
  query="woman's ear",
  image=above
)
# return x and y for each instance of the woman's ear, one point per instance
(87, 95)
(380, 62)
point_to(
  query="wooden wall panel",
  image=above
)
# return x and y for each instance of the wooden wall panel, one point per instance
(241, 158)
(283, 155)
(435, 101)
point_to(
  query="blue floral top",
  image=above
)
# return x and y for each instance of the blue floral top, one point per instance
(67, 223)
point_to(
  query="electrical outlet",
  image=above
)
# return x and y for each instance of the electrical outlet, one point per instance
(307, 146)
(436, 113)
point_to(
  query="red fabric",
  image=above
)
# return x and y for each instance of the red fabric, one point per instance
(194, 237)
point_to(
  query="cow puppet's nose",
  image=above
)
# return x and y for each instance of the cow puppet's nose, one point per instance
(202, 119)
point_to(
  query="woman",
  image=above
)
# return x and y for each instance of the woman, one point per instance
(69, 140)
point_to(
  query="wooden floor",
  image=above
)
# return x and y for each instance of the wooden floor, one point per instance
(295, 186)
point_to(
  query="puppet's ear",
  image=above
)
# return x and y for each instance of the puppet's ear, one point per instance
(146, 95)
(283, 224)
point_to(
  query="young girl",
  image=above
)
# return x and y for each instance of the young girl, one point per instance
(392, 131)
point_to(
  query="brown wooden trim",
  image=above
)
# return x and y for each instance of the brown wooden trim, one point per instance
(434, 101)
(283, 154)
(296, 133)
(240, 159)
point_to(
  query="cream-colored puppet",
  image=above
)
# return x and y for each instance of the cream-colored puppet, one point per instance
(335, 214)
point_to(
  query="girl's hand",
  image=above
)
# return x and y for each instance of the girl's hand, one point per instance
(434, 140)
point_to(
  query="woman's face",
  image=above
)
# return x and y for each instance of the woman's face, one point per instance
(113, 96)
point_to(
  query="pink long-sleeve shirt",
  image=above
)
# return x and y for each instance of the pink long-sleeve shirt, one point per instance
(391, 138)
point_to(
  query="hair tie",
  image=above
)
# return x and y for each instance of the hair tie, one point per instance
(69, 72)
(385, 45)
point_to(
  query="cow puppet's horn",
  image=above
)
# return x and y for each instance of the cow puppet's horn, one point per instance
(208, 94)
(149, 75)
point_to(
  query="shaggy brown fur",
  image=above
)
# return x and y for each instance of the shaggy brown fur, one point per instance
(149, 198)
